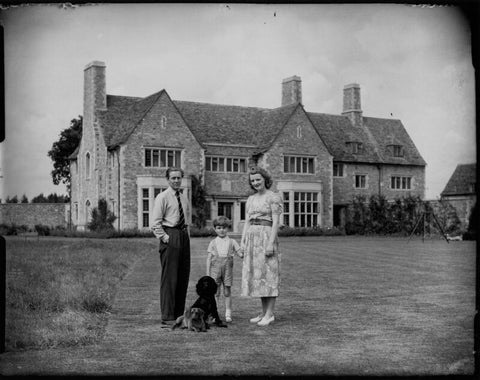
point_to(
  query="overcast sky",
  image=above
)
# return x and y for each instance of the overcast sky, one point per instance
(413, 63)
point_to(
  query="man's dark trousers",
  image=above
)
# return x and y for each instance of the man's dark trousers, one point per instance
(175, 261)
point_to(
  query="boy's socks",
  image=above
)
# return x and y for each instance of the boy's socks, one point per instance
(228, 309)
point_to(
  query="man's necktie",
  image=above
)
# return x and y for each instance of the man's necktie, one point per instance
(181, 221)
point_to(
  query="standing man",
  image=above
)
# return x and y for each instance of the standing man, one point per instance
(170, 212)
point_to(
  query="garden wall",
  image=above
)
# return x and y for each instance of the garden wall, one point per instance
(30, 214)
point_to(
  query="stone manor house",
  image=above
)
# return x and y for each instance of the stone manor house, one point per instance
(318, 161)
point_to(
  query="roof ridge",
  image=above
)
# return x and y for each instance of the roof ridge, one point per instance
(125, 96)
(218, 104)
(380, 118)
(326, 114)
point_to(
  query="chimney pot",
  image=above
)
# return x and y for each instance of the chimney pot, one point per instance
(95, 93)
(291, 90)
(352, 104)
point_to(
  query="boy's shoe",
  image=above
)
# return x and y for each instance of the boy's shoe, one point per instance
(228, 317)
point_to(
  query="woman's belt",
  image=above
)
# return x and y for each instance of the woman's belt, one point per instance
(177, 227)
(261, 222)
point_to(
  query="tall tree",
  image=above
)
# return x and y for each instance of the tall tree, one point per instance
(62, 149)
(24, 199)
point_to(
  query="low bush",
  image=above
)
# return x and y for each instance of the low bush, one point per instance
(12, 229)
(42, 230)
(202, 232)
(309, 231)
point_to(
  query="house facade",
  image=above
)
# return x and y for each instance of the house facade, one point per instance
(461, 191)
(319, 162)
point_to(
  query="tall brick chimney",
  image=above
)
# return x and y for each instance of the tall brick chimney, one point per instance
(95, 93)
(351, 103)
(291, 90)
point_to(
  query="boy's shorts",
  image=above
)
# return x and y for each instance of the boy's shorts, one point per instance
(221, 269)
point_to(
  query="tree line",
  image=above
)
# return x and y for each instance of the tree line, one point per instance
(40, 198)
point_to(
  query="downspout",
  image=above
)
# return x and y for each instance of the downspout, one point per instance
(379, 180)
(70, 196)
(118, 187)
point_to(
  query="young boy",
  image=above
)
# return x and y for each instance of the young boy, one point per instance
(220, 261)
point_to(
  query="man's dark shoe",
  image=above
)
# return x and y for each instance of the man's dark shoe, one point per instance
(166, 323)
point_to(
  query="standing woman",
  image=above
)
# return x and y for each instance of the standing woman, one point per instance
(261, 263)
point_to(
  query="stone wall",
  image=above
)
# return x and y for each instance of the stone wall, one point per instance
(151, 133)
(30, 214)
(299, 138)
(377, 182)
(463, 205)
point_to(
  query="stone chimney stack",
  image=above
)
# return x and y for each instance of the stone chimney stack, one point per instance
(291, 90)
(351, 103)
(95, 93)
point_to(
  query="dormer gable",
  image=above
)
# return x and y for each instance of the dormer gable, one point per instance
(396, 150)
(355, 147)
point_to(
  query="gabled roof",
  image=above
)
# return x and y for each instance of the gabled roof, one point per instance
(234, 125)
(253, 130)
(375, 135)
(210, 123)
(392, 132)
(337, 130)
(123, 115)
(220, 124)
(461, 181)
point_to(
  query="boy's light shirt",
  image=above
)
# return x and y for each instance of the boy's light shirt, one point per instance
(223, 245)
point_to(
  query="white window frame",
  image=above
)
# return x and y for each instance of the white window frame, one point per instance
(399, 182)
(148, 194)
(341, 166)
(160, 157)
(88, 208)
(359, 177)
(356, 147)
(397, 150)
(301, 208)
(226, 164)
(295, 164)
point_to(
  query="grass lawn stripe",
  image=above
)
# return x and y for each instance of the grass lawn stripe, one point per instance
(347, 306)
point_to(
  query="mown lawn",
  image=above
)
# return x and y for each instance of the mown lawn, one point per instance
(348, 306)
(60, 291)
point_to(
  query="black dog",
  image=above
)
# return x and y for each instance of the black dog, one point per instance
(206, 290)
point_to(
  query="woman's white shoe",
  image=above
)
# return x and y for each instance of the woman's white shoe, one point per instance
(266, 321)
(256, 319)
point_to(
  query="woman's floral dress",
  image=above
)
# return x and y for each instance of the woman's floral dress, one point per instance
(261, 274)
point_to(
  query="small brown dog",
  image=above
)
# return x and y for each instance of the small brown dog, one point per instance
(192, 320)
